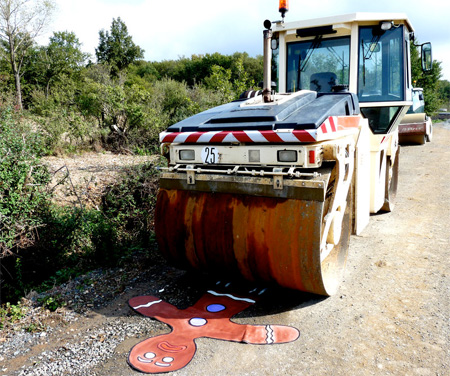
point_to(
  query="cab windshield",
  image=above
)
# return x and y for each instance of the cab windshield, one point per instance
(381, 75)
(318, 65)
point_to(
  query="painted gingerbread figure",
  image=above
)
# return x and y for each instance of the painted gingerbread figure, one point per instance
(209, 317)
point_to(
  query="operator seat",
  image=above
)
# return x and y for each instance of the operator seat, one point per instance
(323, 82)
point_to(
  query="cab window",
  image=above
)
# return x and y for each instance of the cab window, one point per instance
(318, 64)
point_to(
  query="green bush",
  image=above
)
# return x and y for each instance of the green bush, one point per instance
(83, 239)
(93, 108)
(129, 206)
(11, 313)
(82, 108)
(76, 240)
(52, 243)
(23, 184)
(52, 303)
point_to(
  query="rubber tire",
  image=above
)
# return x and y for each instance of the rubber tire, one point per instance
(429, 136)
(391, 184)
(333, 267)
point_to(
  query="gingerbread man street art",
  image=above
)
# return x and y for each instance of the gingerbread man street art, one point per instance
(209, 317)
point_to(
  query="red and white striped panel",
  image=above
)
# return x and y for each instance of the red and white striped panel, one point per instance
(328, 130)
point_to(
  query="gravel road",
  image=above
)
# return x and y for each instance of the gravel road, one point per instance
(390, 316)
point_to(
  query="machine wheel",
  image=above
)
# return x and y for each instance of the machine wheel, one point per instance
(391, 183)
(333, 266)
(429, 136)
(265, 239)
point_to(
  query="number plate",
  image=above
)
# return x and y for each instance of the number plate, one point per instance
(210, 155)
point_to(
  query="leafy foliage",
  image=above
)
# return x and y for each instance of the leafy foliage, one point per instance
(120, 103)
(23, 185)
(444, 92)
(61, 58)
(52, 303)
(117, 48)
(75, 240)
(11, 313)
(196, 69)
(21, 21)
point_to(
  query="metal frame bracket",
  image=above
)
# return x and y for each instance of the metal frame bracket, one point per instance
(277, 179)
(190, 174)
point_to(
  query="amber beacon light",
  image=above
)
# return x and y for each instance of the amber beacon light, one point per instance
(283, 7)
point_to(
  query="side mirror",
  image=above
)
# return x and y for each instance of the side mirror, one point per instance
(426, 57)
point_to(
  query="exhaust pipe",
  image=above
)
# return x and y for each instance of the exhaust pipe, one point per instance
(267, 75)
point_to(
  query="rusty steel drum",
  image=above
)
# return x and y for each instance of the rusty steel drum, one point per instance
(265, 239)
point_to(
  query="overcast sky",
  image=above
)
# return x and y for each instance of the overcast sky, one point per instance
(169, 29)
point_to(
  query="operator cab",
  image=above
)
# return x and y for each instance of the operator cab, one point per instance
(367, 54)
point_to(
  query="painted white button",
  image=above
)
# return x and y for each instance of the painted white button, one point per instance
(197, 321)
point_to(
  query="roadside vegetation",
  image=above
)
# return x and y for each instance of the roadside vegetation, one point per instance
(58, 100)
(70, 104)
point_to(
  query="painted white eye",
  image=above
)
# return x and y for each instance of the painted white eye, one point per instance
(167, 359)
(149, 355)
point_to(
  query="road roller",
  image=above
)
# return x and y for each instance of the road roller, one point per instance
(416, 126)
(271, 186)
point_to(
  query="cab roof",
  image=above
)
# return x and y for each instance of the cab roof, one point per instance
(360, 17)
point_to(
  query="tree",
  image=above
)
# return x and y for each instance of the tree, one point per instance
(21, 21)
(197, 68)
(49, 64)
(117, 47)
(444, 92)
(222, 82)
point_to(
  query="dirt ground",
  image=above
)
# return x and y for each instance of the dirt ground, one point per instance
(391, 315)
(82, 178)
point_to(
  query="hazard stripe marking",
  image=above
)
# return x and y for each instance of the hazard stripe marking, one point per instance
(325, 131)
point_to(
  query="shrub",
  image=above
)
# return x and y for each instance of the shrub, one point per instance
(130, 204)
(23, 185)
(76, 240)
(11, 313)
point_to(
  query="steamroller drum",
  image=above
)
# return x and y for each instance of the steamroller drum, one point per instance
(263, 239)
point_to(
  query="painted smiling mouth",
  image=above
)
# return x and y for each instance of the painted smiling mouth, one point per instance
(143, 360)
(162, 364)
